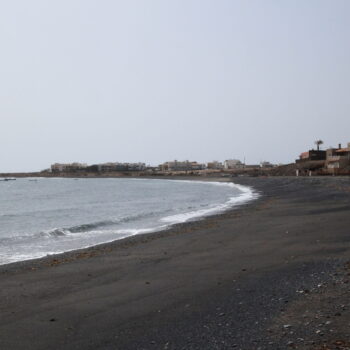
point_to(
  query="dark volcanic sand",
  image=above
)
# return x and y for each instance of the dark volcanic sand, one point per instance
(270, 275)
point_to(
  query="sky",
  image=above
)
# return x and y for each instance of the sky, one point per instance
(156, 80)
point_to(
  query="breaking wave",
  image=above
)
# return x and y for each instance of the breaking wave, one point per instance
(247, 194)
(62, 239)
(94, 226)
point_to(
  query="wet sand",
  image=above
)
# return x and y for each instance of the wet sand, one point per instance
(272, 274)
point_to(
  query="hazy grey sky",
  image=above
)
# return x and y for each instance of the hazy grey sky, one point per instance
(156, 80)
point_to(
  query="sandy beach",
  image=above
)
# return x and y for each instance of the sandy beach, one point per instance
(271, 274)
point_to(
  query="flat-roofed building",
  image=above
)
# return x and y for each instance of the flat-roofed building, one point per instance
(338, 158)
(116, 166)
(233, 164)
(312, 155)
(181, 166)
(215, 165)
(68, 167)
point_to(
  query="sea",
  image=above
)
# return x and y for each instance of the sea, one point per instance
(46, 216)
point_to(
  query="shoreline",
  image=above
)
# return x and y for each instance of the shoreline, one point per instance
(71, 254)
(272, 274)
(196, 216)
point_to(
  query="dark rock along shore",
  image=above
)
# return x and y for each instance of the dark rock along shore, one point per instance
(272, 274)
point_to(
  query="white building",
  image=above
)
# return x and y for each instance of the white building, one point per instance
(233, 164)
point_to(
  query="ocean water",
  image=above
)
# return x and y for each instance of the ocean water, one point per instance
(44, 216)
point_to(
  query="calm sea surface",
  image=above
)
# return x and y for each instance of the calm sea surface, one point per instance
(47, 216)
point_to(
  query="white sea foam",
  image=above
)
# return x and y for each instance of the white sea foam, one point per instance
(59, 240)
(247, 195)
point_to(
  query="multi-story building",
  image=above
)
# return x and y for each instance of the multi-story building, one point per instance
(332, 161)
(67, 167)
(110, 167)
(338, 158)
(311, 155)
(233, 164)
(181, 166)
(215, 165)
(107, 167)
(135, 166)
(104, 167)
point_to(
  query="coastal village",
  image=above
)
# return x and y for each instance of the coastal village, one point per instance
(189, 167)
(313, 162)
(331, 161)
